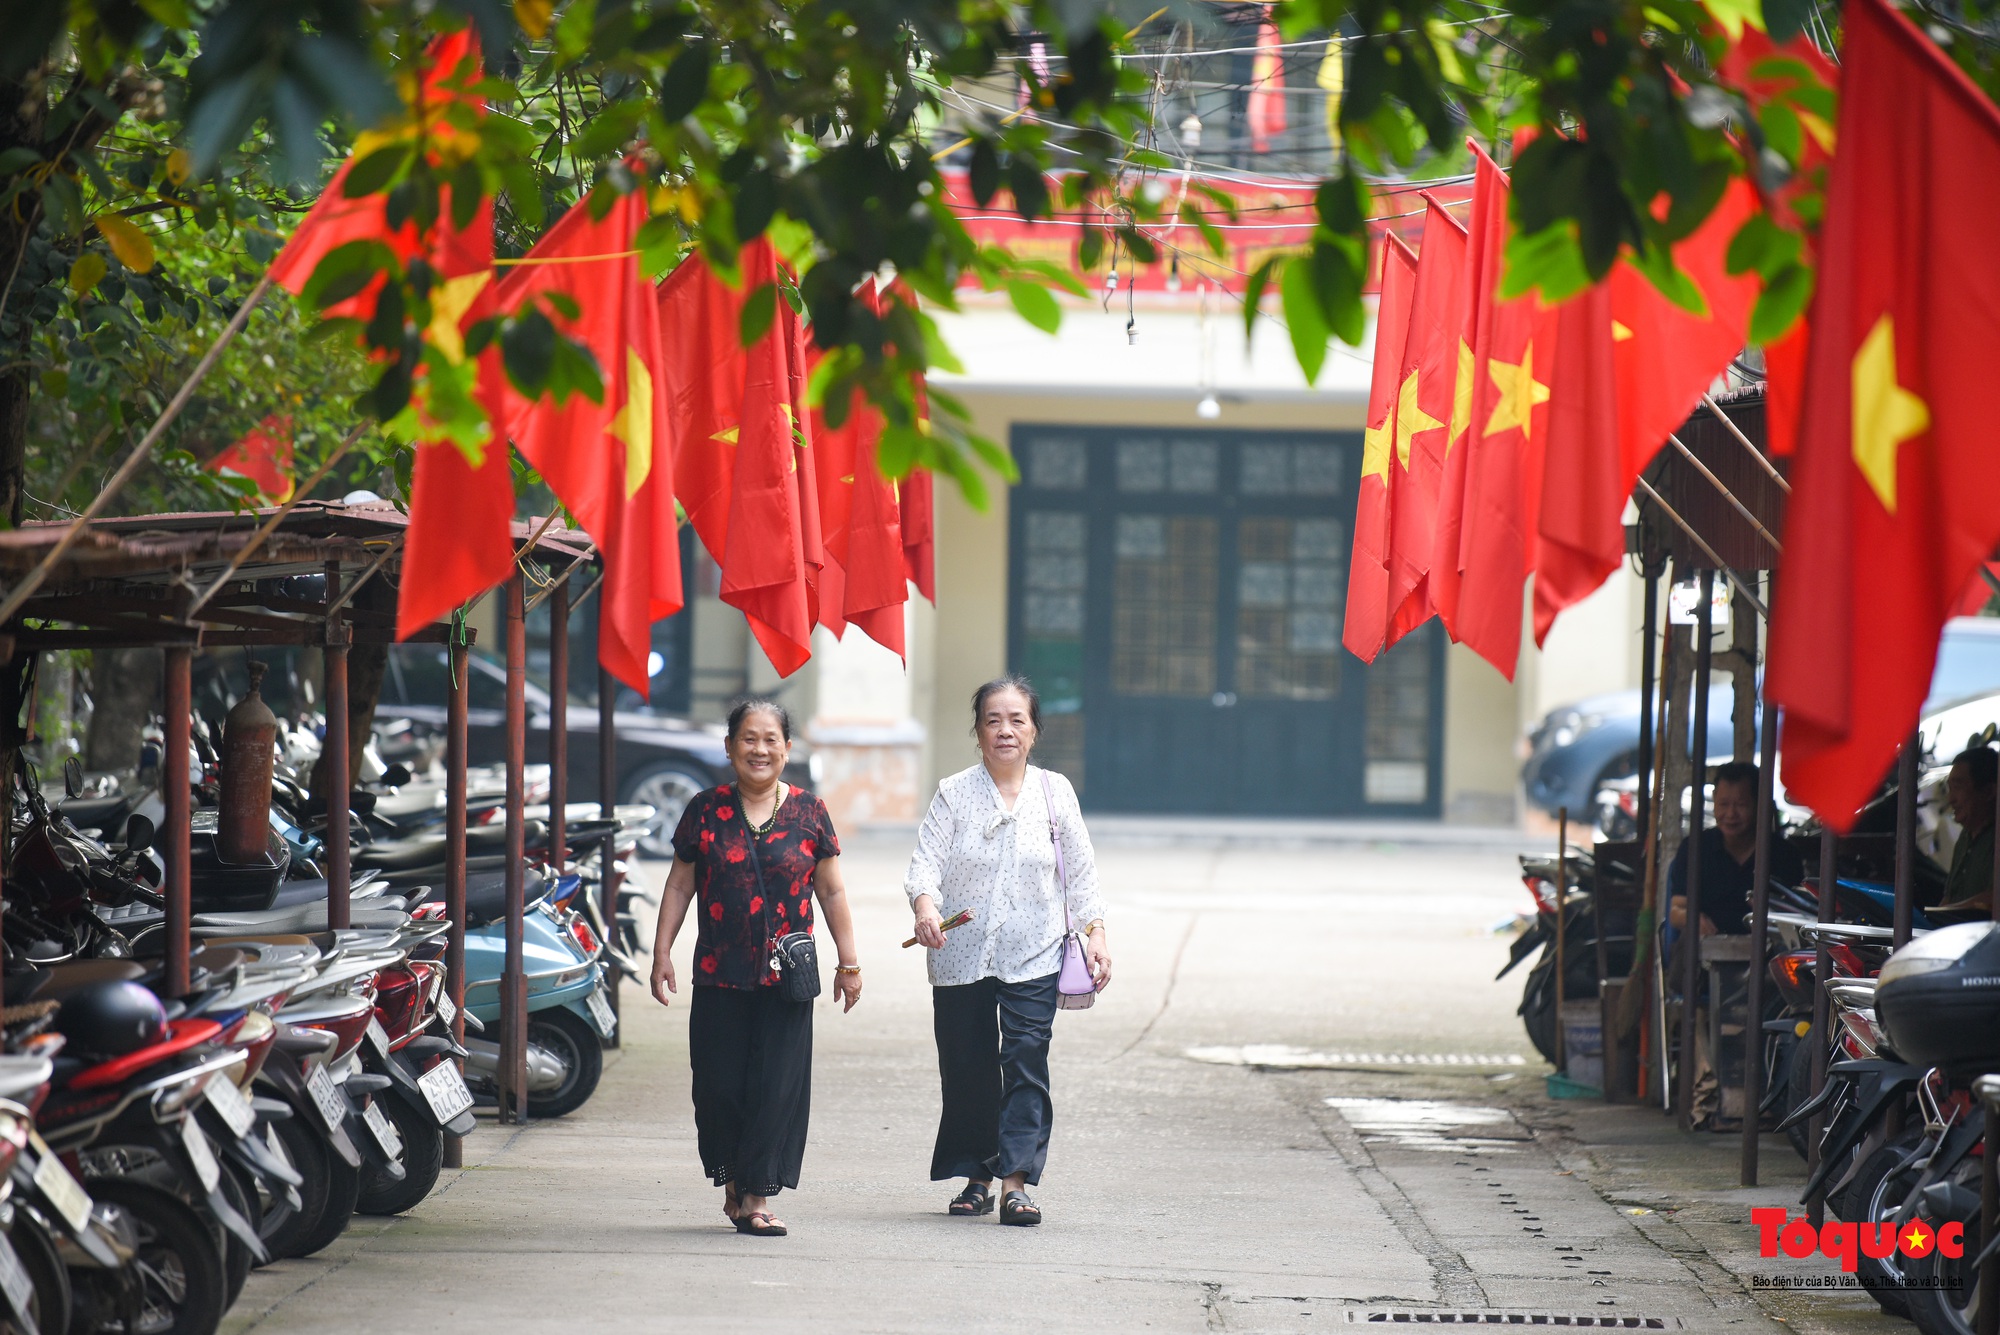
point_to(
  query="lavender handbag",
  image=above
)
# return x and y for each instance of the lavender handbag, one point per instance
(1076, 990)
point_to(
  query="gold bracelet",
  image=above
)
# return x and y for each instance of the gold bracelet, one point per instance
(1095, 924)
(847, 968)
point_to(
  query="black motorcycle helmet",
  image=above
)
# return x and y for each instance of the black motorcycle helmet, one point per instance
(109, 1019)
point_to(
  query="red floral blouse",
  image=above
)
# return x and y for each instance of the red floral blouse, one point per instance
(737, 913)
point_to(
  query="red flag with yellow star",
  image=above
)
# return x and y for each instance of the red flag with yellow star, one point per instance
(1513, 351)
(744, 474)
(1487, 234)
(1640, 369)
(611, 463)
(1895, 499)
(1425, 399)
(1367, 616)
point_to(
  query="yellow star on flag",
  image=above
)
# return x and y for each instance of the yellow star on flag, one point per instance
(450, 300)
(1375, 448)
(1519, 393)
(634, 423)
(1410, 419)
(1884, 414)
(1916, 1237)
(1461, 396)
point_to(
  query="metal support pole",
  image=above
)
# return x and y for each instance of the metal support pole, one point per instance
(1760, 924)
(175, 795)
(1562, 906)
(1989, 1168)
(513, 979)
(607, 795)
(1649, 629)
(1704, 635)
(1821, 1039)
(1906, 837)
(339, 775)
(454, 863)
(558, 723)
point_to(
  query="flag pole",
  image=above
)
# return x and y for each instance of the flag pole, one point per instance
(249, 548)
(140, 453)
(1769, 468)
(1749, 593)
(1727, 494)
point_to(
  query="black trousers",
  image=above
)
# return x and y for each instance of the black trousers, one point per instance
(993, 1059)
(751, 1051)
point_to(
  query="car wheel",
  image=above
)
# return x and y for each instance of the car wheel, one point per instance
(667, 788)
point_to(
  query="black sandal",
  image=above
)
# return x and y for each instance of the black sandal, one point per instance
(976, 1199)
(760, 1224)
(1017, 1209)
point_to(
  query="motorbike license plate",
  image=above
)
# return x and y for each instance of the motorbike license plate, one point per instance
(64, 1192)
(14, 1281)
(600, 1011)
(378, 1037)
(205, 1166)
(444, 1089)
(331, 1103)
(231, 1106)
(385, 1133)
(447, 1011)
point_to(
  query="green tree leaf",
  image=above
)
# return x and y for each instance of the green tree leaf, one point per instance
(1035, 304)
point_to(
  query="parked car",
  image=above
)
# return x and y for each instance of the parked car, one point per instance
(662, 761)
(1579, 750)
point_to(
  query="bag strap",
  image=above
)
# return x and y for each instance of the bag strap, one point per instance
(757, 863)
(1055, 837)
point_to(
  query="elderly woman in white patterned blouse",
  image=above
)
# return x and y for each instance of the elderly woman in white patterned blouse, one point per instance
(987, 845)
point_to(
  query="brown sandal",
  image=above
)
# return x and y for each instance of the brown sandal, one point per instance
(760, 1224)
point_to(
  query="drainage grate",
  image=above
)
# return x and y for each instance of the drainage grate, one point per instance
(1357, 1316)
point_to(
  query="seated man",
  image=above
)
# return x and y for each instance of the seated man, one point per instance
(1728, 856)
(1968, 889)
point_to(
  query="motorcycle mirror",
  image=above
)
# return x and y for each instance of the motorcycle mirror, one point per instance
(73, 777)
(396, 775)
(139, 833)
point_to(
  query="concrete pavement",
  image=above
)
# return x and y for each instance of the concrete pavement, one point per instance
(1218, 1191)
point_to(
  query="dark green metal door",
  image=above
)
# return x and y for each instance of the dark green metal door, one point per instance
(1177, 598)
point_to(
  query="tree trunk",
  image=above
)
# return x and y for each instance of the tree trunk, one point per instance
(23, 113)
(125, 697)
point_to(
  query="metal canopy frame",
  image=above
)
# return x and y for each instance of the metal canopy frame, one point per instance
(193, 580)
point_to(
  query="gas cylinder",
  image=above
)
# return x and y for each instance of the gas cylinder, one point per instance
(249, 750)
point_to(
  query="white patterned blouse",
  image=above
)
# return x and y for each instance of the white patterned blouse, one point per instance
(972, 853)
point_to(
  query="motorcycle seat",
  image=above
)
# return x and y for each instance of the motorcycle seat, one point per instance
(94, 813)
(486, 896)
(216, 959)
(55, 981)
(428, 849)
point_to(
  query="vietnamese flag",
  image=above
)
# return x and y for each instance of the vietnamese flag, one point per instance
(744, 472)
(611, 463)
(1616, 400)
(264, 456)
(1484, 237)
(862, 582)
(1367, 615)
(458, 544)
(1513, 350)
(1895, 499)
(1425, 395)
(1760, 69)
(915, 498)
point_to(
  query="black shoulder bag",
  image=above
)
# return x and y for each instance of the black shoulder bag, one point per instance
(793, 955)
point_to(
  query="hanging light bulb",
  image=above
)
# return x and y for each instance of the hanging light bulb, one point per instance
(1132, 331)
(1191, 132)
(1174, 273)
(1208, 409)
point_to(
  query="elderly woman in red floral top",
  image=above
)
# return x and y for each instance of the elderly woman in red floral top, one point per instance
(751, 856)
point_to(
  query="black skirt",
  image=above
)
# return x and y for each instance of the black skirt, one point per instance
(751, 1051)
